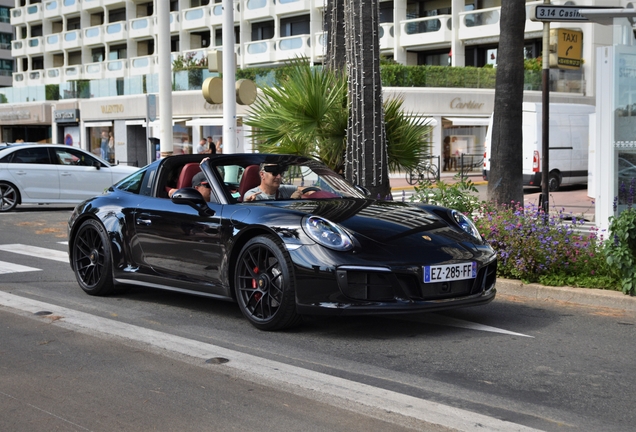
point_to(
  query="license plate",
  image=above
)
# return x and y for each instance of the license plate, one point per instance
(450, 272)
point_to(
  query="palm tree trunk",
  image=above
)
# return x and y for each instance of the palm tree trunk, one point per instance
(335, 58)
(366, 154)
(505, 182)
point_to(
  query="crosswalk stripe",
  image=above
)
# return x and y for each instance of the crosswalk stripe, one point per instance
(6, 267)
(35, 251)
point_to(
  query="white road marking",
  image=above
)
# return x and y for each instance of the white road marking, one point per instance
(454, 322)
(6, 267)
(330, 389)
(36, 252)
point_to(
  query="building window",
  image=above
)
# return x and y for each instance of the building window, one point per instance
(5, 16)
(262, 30)
(294, 26)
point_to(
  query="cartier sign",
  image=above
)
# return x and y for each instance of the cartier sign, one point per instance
(458, 103)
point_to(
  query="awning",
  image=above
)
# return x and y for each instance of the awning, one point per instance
(175, 120)
(205, 121)
(468, 121)
(139, 122)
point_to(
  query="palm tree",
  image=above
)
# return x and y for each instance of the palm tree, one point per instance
(307, 114)
(505, 183)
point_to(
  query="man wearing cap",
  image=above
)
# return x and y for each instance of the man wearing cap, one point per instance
(200, 183)
(270, 187)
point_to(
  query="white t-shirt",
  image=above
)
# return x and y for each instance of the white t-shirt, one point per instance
(284, 192)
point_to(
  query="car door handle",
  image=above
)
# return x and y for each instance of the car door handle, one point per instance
(146, 222)
(65, 174)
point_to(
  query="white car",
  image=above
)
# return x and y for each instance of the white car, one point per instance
(53, 174)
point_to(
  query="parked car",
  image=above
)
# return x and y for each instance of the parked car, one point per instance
(334, 251)
(53, 174)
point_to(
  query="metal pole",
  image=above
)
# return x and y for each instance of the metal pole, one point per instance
(165, 77)
(229, 79)
(545, 119)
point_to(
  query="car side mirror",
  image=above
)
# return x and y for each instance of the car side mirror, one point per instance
(193, 198)
(364, 190)
(97, 165)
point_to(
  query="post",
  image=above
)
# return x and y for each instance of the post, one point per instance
(165, 78)
(229, 79)
(545, 119)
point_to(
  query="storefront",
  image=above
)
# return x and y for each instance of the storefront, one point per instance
(65, 127)
(26, 122)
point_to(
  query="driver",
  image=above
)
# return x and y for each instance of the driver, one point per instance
(270, 187)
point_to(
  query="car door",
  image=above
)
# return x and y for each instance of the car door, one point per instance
(81, 175)
(34, 174)
(180, 243)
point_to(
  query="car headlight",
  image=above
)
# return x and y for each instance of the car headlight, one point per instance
(326, 233)
(466, 224)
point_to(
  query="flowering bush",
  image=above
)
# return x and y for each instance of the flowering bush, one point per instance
(535, 247)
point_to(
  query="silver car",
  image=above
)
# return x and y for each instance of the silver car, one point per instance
(53, 174)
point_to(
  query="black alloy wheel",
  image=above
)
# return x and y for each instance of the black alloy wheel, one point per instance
(8, 197)
(264, 285)
(91, 259)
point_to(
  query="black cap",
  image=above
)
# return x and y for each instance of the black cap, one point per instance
(199, 179)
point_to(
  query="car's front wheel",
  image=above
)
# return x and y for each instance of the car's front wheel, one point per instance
(91, 259)
(8, 197)
(264, 284)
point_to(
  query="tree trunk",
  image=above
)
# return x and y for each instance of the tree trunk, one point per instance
(335, 57)
(366, 154)
(505, 181)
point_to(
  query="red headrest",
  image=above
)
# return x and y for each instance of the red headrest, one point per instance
(250, 179)
(185, 177)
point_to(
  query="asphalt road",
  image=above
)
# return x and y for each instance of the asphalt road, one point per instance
(115, 362)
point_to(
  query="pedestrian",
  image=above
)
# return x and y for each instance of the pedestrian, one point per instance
(203, 146)
(447, 154)
(211, 145)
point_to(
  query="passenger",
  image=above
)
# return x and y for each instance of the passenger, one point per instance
(200, 183)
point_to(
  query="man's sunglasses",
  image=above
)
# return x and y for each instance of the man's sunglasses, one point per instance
(205, 185)
(274, 169)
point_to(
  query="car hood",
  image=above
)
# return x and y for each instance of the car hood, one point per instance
(385, 222)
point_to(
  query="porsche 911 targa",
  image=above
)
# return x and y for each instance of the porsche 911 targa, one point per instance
(327, 249)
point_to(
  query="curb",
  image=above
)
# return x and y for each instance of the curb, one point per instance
(577, 296)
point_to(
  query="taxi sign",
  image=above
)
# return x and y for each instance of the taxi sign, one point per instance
(569, 48)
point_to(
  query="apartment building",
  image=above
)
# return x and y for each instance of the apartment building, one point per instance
(101, 56)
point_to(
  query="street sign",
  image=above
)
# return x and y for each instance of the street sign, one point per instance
(569, 48)
(547, 13)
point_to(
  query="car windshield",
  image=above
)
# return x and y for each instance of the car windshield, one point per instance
(323, 183)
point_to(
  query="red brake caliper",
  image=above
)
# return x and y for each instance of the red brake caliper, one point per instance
(257, 296)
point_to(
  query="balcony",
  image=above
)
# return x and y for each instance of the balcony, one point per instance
(429, 31)
(18, 78)
(17, 17)
(90, 5)
(216, 13)
(72, 73)
(53, 76)
(292, 6)
(94, 71)
(70, 6)
(291, 47)
(143, 65)
(257, 9)
(36, 78)
(72, 39)
(33, 13)
(53, 42)
(386, 36)
(35, 45)
(262, 51)
(174, 22)
(93, 36)
(18, 48)
(116, 68)
(52, 9)
(141, 27)
(479, 24)
(196, 18)
(116, 32)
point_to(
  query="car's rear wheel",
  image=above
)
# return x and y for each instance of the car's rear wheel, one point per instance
(265, 286)
(92, 260)
(8, 197)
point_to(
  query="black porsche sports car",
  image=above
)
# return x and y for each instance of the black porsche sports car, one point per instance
(333, 250)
